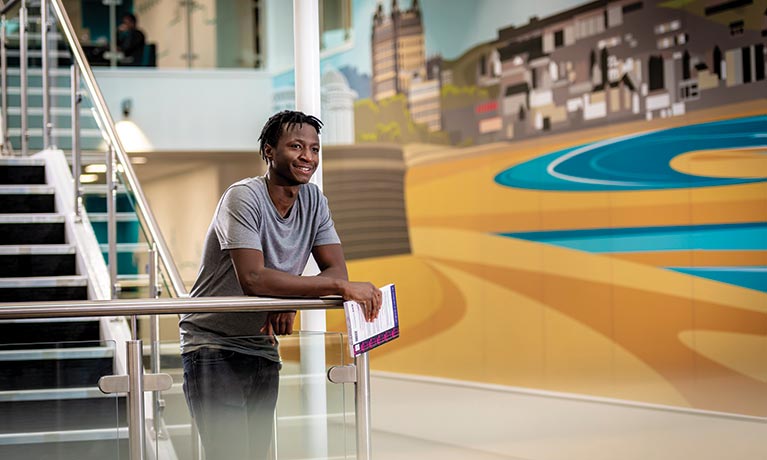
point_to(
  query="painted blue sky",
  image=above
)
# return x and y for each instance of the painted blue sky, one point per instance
(452, 27)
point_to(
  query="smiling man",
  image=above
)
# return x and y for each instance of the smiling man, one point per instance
(259, 242)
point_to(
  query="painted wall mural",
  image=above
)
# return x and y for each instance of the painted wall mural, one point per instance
(577, 203)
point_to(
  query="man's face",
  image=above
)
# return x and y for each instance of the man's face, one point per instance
(296, 156)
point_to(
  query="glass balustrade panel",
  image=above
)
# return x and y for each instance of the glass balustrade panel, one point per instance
(311, 417)
(50, 402)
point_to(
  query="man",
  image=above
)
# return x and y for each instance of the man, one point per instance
(131, 41)
(258, 243)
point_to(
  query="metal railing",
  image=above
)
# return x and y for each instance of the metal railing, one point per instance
(81, 72)
(160, 256)
(135, 382)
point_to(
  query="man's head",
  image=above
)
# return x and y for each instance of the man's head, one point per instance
(129, 21)
(290, 145)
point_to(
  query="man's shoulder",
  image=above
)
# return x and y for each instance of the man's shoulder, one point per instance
(251, 189)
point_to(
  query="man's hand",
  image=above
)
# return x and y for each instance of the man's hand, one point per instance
(279, 323)
(365, 294)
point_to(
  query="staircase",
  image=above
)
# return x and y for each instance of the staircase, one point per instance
(50, 403)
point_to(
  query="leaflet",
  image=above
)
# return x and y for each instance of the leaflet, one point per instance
(364, 335)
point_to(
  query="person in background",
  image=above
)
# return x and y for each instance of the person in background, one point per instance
(131, 41)
(258, 243)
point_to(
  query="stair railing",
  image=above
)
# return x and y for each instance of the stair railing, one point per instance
(107, 125)
(135, 382)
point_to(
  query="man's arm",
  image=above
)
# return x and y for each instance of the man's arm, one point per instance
(257, 280)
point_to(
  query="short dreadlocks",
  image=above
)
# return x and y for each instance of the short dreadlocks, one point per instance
(282, 121)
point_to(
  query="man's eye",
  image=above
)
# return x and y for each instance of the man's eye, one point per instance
(296, 146)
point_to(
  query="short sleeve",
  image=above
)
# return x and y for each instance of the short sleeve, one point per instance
(238, 219)
(326, 231)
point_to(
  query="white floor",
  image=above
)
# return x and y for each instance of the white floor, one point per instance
(420, 419)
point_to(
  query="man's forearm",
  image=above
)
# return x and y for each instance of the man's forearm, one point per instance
(268, 282)
(335, 272)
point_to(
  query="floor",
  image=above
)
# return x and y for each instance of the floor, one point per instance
(432, 419)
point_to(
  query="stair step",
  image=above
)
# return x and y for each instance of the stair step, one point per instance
(43, 281)
(37, 72)
(37, 249)
(55, 111)
(132, 248)
(17, 171)
(37, 264)
(43, 288)
(38, 132)
(33, 53)
(55, 353)
(21, 189)
(53, 373)
(47, 333)
(36, 91)
(69, 446)
(119, 217)
(21, 417)
(48, 394)
(37, 228)
(23, 203)
(69, 436)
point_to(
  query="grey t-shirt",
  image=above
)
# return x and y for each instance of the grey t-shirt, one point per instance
(247, 219)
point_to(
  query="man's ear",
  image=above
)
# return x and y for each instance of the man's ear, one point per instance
(268, 152)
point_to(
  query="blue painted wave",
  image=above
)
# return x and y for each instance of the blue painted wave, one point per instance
(637, 162)
(748, 236)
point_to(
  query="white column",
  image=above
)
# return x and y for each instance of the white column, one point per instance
(308, 100)
(306, 32)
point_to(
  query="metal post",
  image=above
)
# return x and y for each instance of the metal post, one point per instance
(135, 400)
(190, 4)
(112, 220)
(44, 26)
(6, 147)
(112, 33)
(362, 403)
(76, 100)
(23, 76)
(154, 328)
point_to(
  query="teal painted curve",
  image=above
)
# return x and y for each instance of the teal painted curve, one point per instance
(638, 161)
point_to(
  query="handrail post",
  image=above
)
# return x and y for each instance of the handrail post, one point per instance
(44, 26)
(23, 76)
(107, 126)
(158, 404)
(362, 404)
(76, 100)
(6, 150)
(112, 221)
(135, 399)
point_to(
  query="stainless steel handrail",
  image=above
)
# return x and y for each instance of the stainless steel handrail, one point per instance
(126, 307)
(130, 307)
(144, 212)
(7, 6)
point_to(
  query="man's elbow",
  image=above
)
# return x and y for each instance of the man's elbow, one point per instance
(254, 284)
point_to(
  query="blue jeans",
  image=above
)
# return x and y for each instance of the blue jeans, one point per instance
(232, 397)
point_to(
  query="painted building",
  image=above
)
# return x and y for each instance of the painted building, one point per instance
(337, 109)
(398, 50)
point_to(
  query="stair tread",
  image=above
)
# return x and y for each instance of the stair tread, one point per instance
(36, 249)
(32, 189)
(32, 354)
(44, 281)
(64, 436)
(47, 394)
(32, 218)
(21, 161)
(125, 247)
(119, 216)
